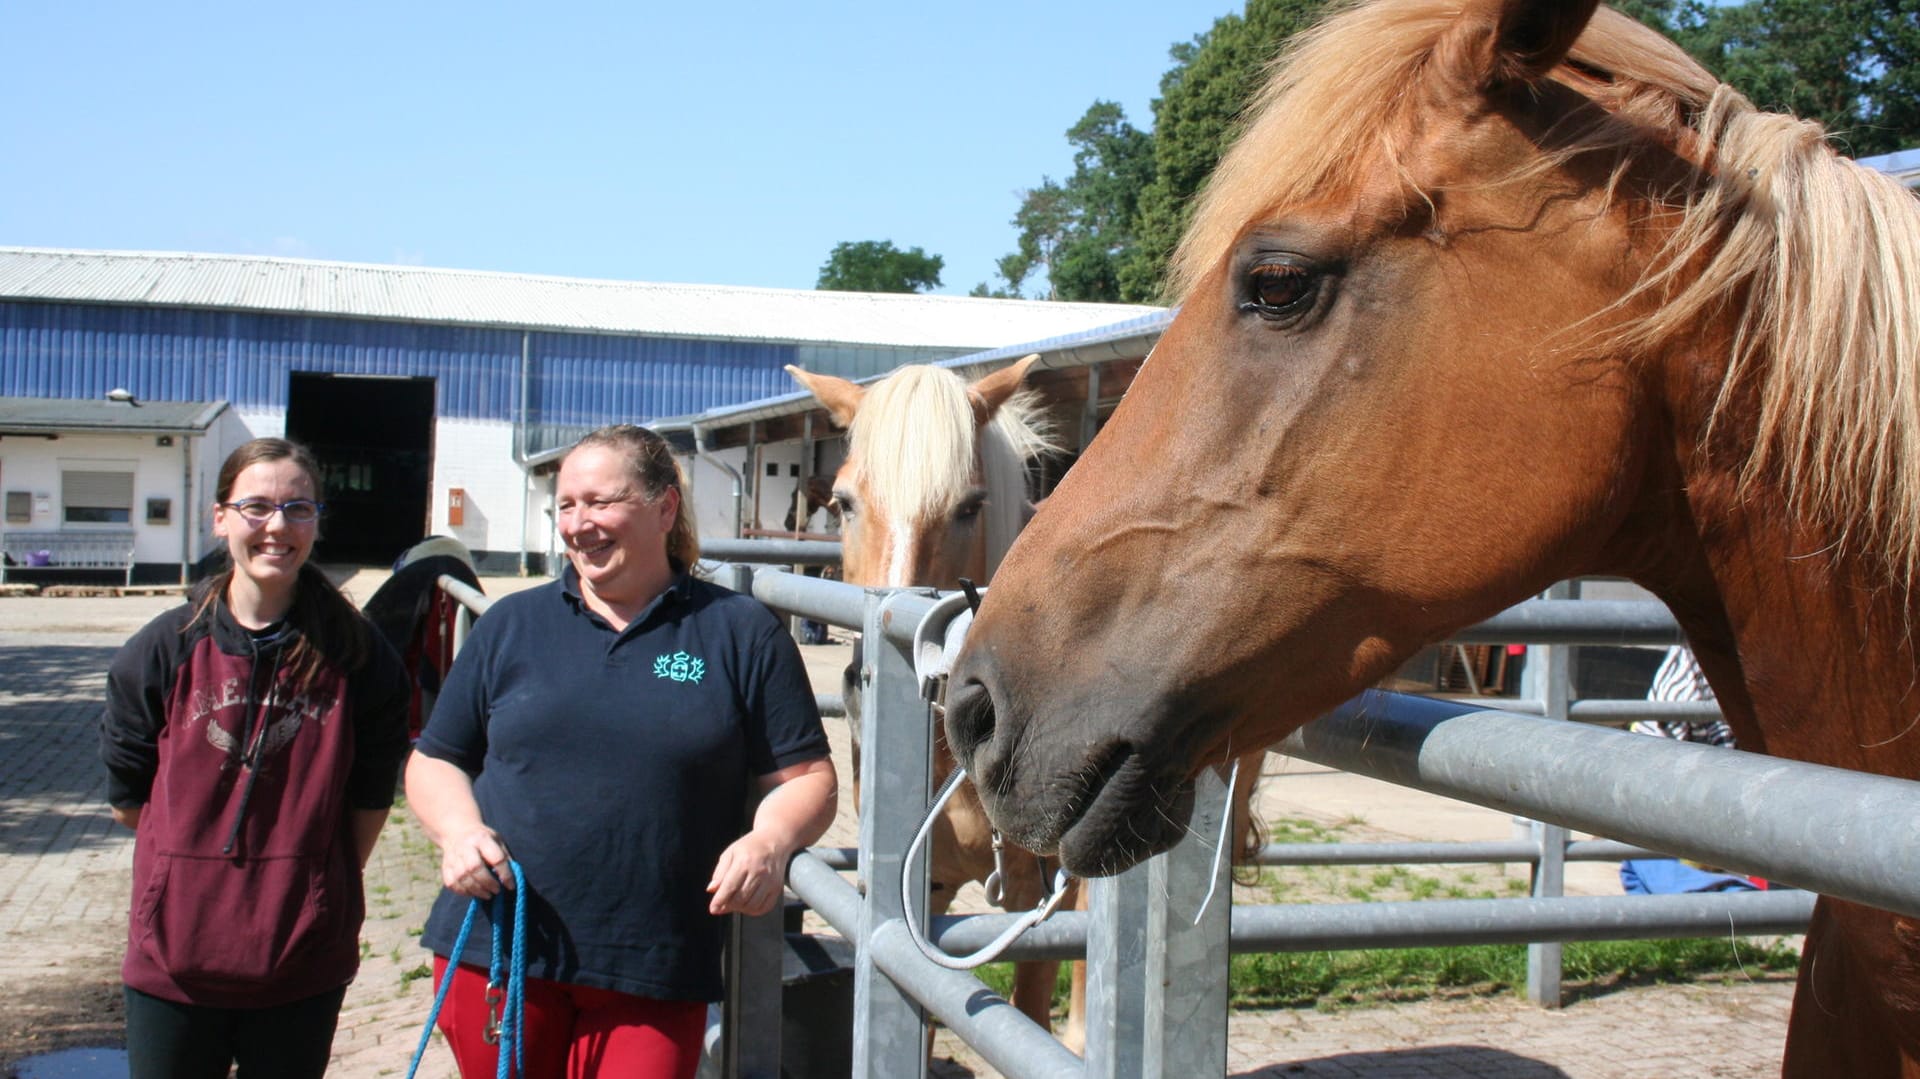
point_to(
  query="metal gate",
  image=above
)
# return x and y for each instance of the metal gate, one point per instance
(1157, 948)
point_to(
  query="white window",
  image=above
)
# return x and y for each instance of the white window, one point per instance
(96, 498)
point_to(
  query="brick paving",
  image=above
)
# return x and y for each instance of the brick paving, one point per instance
(63, 895)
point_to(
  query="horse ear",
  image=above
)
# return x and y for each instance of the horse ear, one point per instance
(991, 392)
(840, 397)
(1508, 42)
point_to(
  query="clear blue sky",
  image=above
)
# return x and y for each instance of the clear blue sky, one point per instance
(714, 143)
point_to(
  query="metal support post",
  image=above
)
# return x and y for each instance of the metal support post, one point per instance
(750, 1019)
(1554, 683)
(750, 1014)
(889, 1027)
(1157, 956)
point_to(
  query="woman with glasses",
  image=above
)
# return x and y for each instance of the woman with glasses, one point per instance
(252, 738)
(609, 728)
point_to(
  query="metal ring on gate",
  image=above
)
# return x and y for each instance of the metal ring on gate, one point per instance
(1048, 903)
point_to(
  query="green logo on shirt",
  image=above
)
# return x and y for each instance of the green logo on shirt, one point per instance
(680, 667)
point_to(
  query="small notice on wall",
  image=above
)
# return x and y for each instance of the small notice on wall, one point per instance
(42, 505)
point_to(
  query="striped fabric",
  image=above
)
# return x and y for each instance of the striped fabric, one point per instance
(1680, 679)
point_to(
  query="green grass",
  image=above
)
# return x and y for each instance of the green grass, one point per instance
(1357, 978)
(1333, 979)
(1383, 976)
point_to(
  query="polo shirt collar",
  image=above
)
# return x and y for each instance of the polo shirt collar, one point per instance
(679, 587)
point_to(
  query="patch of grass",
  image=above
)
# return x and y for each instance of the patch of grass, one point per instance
(1362, 978)
(1335, 979)
(408, 977)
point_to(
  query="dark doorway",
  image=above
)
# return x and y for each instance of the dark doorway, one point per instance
(374, 438)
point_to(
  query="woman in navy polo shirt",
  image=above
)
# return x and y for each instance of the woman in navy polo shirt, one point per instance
(607, 728)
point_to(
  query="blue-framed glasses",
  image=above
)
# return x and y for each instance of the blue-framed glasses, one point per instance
(300, 511)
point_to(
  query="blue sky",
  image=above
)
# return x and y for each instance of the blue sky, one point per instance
(718, 143)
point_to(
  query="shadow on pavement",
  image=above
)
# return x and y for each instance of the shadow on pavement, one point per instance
(52, 785)
(1427, 1060)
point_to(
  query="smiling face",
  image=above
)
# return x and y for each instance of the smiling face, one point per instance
(268, 552)
(616, 534)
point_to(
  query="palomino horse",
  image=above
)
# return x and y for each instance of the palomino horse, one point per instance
(1489, 293)
(933, 490)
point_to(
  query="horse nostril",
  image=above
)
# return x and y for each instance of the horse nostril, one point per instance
(969, 718)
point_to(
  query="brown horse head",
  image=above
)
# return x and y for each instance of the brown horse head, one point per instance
(934, 486)
(1487, 295)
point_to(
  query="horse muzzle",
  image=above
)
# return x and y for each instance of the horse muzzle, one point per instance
(1099, 807)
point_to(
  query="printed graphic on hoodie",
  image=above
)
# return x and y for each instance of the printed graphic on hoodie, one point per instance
(227, 713)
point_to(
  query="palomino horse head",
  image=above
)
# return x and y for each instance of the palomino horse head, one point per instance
(934, 486)
(933, 490)
(1489, 293)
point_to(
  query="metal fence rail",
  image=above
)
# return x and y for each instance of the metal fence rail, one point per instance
(1816, 828)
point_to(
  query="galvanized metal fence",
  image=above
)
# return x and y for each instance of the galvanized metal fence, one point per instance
(1157, 947)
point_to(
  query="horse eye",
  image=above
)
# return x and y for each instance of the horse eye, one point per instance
(969, 509)
(1277, 290)
(842, 504)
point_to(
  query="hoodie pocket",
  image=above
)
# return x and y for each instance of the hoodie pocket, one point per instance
(216, 922)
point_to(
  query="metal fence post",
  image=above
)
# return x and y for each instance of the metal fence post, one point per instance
(750, 1020)
(1157, 956)
(1555, 690)
(896, 754)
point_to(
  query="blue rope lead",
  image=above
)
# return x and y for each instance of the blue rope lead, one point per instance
(508, 1031)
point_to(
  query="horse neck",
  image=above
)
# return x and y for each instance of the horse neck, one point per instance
(1815, 650)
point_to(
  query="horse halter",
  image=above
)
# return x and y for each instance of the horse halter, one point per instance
(932, 661)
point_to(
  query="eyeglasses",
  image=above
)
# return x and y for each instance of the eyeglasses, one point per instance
(300, 511)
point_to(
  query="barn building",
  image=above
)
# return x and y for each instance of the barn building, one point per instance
(432, 396)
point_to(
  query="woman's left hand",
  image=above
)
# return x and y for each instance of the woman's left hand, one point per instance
(750, 876)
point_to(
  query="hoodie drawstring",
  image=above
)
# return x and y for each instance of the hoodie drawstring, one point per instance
(250, 757)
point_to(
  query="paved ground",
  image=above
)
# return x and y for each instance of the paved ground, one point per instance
(63, 895)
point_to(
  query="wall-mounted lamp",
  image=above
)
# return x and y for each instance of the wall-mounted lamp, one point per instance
(124, 397)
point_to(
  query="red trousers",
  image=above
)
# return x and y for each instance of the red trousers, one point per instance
(575, 1032)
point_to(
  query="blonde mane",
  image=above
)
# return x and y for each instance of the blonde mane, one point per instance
(1813, 259)
(915, 450)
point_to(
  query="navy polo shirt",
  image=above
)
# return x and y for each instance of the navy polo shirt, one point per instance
(616, 765)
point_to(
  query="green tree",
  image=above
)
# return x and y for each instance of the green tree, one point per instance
(1076, 234)
(1196, 116)
(1853, 65)
(878, 266)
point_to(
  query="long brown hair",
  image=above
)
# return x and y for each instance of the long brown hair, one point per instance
(329, 626)
(650, 460)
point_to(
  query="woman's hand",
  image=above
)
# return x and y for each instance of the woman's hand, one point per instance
(750, 876)
(473, 859)
(796, 805)
(475, 864)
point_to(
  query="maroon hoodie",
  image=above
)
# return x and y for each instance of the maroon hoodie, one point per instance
(246, 884)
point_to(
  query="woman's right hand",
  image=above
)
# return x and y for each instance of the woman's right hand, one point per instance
(475, 864)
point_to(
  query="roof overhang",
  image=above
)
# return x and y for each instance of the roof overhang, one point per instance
(38, 417)
(1062, 365)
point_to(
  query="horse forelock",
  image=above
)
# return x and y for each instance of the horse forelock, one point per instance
(1815, 260)
(917, 451)
(913, 442)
